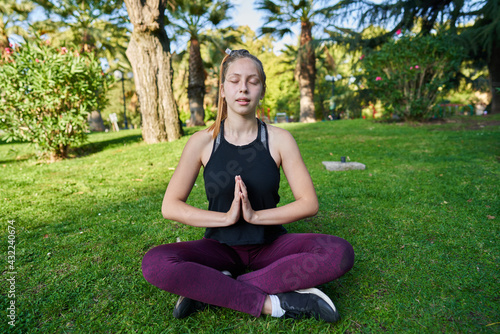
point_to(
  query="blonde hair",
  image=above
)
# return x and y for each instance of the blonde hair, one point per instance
(224, 66)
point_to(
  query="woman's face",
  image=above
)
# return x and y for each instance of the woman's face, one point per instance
(242, 87)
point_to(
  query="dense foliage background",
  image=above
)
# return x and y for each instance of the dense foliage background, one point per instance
(465, 30)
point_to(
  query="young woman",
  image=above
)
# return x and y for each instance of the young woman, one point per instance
(246, 261)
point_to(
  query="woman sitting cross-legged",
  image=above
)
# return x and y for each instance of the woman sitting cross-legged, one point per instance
(246, 261)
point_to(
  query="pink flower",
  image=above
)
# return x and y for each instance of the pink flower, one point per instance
(47, 42)
(8, 50)
(378, 78)
(416, 66)
(10, 44)
(362, 57)
(398, 32)
(411, 68)
(37, 60)
(64, 50)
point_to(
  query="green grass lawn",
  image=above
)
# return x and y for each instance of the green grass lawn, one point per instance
(423, 219)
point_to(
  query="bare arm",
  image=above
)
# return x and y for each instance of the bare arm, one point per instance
(174, 206)
(306, 201)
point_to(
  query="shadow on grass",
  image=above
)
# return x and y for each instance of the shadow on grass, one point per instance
(18, 159)
(98, 146)
(74, 152)
(89, 148)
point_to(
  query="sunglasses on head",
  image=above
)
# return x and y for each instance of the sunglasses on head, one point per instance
(230, 52)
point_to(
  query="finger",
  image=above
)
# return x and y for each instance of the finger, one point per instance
(246, 208)
(244, 195)
(243, 187)
(237, 187)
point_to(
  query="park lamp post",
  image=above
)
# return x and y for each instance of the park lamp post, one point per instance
(119, 76)
(332, 79)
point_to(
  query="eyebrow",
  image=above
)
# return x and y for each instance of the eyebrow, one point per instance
(239, 75)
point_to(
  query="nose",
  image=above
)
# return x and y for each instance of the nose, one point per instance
(243, 86)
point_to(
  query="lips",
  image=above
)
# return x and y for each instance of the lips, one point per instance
(243, 101)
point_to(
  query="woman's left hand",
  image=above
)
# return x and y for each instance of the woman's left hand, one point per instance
(246, 208)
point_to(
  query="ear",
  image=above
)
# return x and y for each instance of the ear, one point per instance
(222, 93)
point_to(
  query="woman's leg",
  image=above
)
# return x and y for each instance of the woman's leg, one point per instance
(193, 269)
(299, 261)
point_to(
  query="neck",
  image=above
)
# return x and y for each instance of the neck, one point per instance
(240, 130)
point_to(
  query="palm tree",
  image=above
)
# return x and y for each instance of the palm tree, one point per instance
(404, 14)
(483, 39)
(192, 18)
(281, 16)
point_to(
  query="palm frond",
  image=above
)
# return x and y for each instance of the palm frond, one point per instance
(269, 6)
(275, 31)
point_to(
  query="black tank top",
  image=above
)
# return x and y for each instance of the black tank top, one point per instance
(258, 170)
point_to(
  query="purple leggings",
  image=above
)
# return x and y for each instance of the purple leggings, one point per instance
(293, 261)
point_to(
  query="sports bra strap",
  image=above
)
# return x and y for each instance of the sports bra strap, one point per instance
(263, 134)
(217, 139)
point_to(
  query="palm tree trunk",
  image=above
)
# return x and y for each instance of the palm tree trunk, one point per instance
(494, 69)
(149, 55)
(196, 86)
(307, 74)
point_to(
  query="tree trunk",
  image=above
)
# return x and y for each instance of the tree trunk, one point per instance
(494, 69)
(196, 86)
(307, 74)
(59, 153)
(4, 42)
(96, 123)
(149, 55)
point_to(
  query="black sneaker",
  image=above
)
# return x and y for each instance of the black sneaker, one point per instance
(185, 307)
(308, 303)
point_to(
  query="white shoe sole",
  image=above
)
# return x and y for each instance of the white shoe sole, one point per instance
(320, 294)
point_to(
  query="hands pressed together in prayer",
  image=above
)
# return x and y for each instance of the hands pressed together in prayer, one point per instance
(240, 207)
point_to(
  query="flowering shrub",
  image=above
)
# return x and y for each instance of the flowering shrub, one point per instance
(46, 95)
(408, 74)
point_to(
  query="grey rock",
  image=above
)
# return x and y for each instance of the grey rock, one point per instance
(341, 166)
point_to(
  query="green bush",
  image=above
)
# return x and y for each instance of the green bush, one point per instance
(184, 115)
(46, 95)
(210, 113)
(408, 74)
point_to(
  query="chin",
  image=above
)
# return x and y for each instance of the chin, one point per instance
(244, 111)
